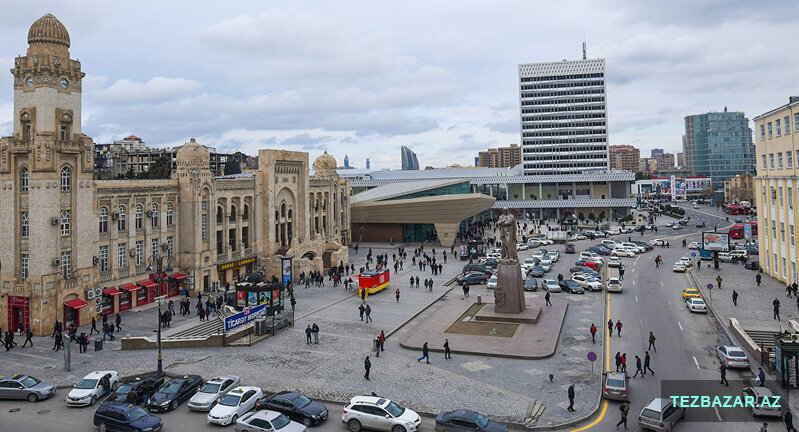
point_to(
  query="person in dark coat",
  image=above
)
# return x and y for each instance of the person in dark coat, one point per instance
(571, 398)
(367, 365)
(610, 327)
(94, 327)
(638, 367)
(788, 419)
(28, 336)
(546, 297)
(618, 361)
(361, 310)
(723, 372)
(425, 354)
(308, 331)
(646, 364)
(447, 354)
(118, 322)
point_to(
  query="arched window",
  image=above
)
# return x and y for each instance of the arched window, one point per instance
(245, 213)
(277, 226)
(122, 221)
(139, 216)
(170, 213)
(220, 212)
(66, 179)
(232, 213)
(66, 225)
(25, 226)
(24, 180)
(103, 219)
(283, 209)
(154, 214)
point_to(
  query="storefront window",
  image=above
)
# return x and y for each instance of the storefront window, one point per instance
(141, 296)
(108, 304)
(124, 301)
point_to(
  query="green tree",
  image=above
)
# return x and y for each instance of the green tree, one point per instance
(591, 216)
(161, 168)
(232, 166)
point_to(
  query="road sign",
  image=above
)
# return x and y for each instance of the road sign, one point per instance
(710, 286)
(592, 356)
(693, 254)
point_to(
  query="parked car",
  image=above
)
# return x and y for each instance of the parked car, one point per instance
(550, 285)
(614, 261)
(540, 254)
(752, 264)
(490, 263)
(615, 386)
(477, 268)
(466, 421)
(88, 390)
(659, 242)
(676, 226)
(530, 285)
(492, 282)
(660, 414)
(614, 284)
(529, 263)
(693, 245)
(732, 356)
(571, 286)
(696, 305)
(690, 293)
(536, 271)
(380, 414)
(590, 264)
(587, 282)
(295, 406)
(533, 243)
(599, 250)
(144, 388)
(584, 269)
(739, 253)
(688, 262)
(758, 408)
(546, 264)
(546, 242)
(569, 249)
(724, 257)
(233, 405)
(554, 255)
(267, 421)
(174, 392)
(623, 252)
(521, 247)
(472, 278)
(25, 387)
(119, 416)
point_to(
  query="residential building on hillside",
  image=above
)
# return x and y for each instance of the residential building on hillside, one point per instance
(624, 157)
(501, 157)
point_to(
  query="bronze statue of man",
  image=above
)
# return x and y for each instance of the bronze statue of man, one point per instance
(507, 225)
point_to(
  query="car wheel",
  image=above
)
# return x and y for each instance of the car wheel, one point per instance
(354, 425)
(173, 405)
(102, 427)
(93, 401)
(306, 421)
(234, 419)
(33, 397)
(398, 428)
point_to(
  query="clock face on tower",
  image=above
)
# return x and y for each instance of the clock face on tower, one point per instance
(29, 81)
(64, 83)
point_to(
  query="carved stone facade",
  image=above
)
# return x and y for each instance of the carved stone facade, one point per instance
(75, 247)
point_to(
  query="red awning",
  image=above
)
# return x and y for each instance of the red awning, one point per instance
(76, 304)
(178, 276)
(131, 287)
(112, 291)
(147, 283)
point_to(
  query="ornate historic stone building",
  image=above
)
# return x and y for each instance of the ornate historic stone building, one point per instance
(74, 247)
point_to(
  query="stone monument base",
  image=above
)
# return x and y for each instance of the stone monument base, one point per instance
(529, 315)
(509, 292)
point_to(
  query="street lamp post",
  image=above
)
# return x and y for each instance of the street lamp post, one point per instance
(159, 262)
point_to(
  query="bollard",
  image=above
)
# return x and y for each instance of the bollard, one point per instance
(479, 299)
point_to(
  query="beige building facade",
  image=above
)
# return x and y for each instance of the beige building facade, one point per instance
(776, 187)
(76, 248)
(502, 157)
(740, 188)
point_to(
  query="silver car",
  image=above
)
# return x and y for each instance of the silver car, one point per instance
(267, 421)
(212, 392)
(371, 412)
(757, 407)
(660, 415)
(615, 386)
(732, 356)
(25, 387)
(551, 285)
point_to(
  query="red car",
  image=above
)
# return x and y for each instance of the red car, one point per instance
(592, 265)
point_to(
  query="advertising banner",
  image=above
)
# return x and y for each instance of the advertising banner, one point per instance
(678, 188)
(245, 316)
(716, 241)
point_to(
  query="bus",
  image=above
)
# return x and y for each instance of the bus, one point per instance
(737, 231)
(731, 209)
(753, 226)
(373, 281)
(705, 254)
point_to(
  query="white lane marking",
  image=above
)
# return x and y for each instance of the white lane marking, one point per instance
(717, 413)
(696, 362)
(633, 282)
(679, 325)
(669, 302)
(636, 299)
(661, 284)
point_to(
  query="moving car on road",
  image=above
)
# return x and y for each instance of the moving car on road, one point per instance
(119, 416)
(569, 249)
(380, 414)
(614, 284)
(477, 268)
(732, 356)
(234, 405)
(267, 421)
(725, 257)
(696, 305)
(690, 293)
(701, 224)
(688, 262)
(213, 390)
(693, 245)
(296, 406)
(614, 261)
(466, 421)
(174, 392)
(26, 387)
(615, 386)
(678, 267)
(88, 390)
(660, 415)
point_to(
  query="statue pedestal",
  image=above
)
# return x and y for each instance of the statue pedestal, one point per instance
(509, 292)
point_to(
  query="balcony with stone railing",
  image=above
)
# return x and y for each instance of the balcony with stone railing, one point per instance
(141, 268)
(106, 276)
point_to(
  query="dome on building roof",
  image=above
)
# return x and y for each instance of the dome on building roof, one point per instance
(324, 163)
(193, 154)
(48, 30)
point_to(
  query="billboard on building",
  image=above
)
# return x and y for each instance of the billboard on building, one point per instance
(697, 185)
(678, 188)
(716, 241)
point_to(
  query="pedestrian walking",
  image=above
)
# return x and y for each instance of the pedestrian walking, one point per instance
(571, 398)
(447, 354)
(761, 376)
(788, 290)
(28, 336)
(94, 327)
(382, 340)
(638, 367)
(593, 333)
(547, 297)
(718, 281)
(368, 311)
(118, 322)
(618, 327)
(59, 342)
(757, 279)
(621, 272)
(315, 330)
(610, 327)
(618, 361)
(723, 372)
(776, 304)
(308, 332)
(361, 310)
(652, 342)
(788, 419)
(624, 362)
(735, 298)
(397, 294)
(425, 354)
(624, 409)
(647, 359)
(764, 428)
(417, 281)
(366, 366)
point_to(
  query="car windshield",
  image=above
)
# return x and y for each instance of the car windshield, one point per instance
(648, 413)
(698, 302)
(394, 409)
(280, 421)
(136, 414)
(230, 400)
(86, 384)
(613, 382)
(124, 389)
(171, 387)
(30, 382)
(737, 354)
(212, 388)
(301, 401)
(481, 421)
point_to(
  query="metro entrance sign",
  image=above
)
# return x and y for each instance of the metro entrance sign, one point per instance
(245, 316)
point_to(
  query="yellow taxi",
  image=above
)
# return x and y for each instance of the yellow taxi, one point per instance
(690, 293)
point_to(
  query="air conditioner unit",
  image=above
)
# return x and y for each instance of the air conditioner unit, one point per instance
(98, 292)
(165, 247)
(56, 221)
(115, 215)
(95, 260)
(149, 213)
(56, 262)
(794, 337)
(98, 301)
(89, 294)
(132, 254)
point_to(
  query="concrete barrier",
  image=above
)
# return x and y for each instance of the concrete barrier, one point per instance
(139, 343)
(744, 338)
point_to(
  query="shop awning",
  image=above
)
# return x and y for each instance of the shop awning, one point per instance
(131, 287)
(112, 291)
(178, 276)
(147, 283)
(76, 304)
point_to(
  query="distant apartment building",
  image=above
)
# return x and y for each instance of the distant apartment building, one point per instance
(624, 157)
(409, 160)
(563, 117)
(740, 188)
(776, 188)
(655, 151)
(502, 157)
(680, 160)
(718, 145)
(647, 165)
(664, 161)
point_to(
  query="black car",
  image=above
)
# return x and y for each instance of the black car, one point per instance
(142, 386)
(466, 420)
(174, 392)
(601, 250)
(296, 407)
(118, 416)
(569, 248)
(536, 271)
(477, 268)
(530, 285)
(751, 249)
(490, 263)
(701, 224)
(473, 278)
(571, 286)
(590, 235)
(752, 264)
(645, 245)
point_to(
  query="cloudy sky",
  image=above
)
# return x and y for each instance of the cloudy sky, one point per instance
(364, 78)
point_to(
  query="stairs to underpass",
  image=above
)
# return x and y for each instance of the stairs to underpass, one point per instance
(765, 339)
(214, 325)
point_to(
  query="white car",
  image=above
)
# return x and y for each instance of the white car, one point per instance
(636, 247)
(659, 242)
(546, 264)
(725, 257)
(211, 392)
(494, 255)
(234, 405)
(540, 253)
(741, 253)
(492, 282)
(614, 261)
(688, 262)
(696, 305)
(626, 230)
(622, 252)
(546, 242)
(614, 284)
(88, 390)
(678, 267)
(633, 250)
(613, 232)
(267, 421)
(676, 226)
(554, 255)
(528, 263)
(587, 282)
(579, 237)
(521, 247)
(378, 413)
(693, 245)
(550, 285)
(696, 206)
(732, 356)
(610, 244)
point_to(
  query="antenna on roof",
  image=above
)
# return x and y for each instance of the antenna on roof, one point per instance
(585, 51)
